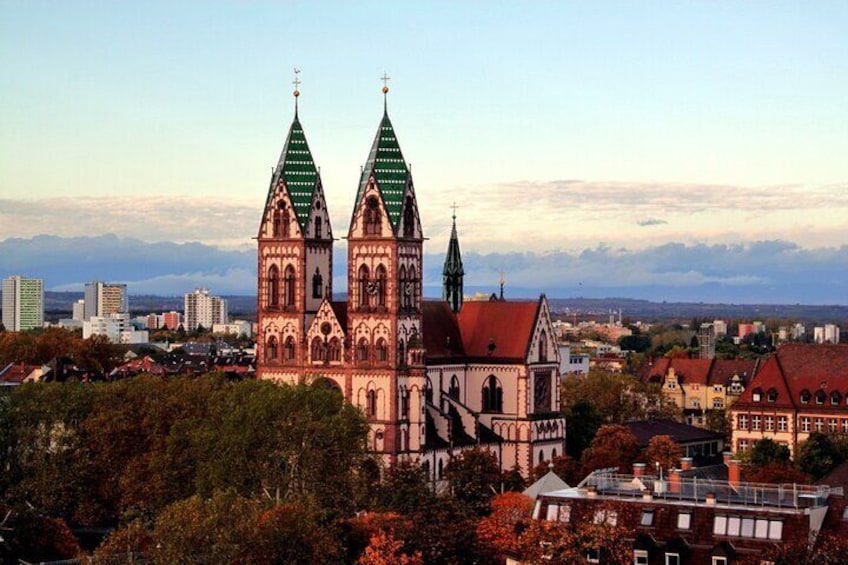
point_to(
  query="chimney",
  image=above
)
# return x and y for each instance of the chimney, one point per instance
(727, 456)
(674, 480)
(685, 463)
(638, 469)
(591, 491)
(646, 495)
(711, 499)
(733, 472)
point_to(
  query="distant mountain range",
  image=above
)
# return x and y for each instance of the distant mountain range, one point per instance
(765, 272)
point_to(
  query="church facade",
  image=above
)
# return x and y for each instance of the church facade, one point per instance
(433, 377)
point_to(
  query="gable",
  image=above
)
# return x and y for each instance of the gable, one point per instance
(497, 330)
(543, 328)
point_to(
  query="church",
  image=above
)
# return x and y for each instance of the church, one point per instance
(433, 377)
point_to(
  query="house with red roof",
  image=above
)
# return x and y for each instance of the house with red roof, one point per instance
(432, 377)
(800, 389)
(700, 385)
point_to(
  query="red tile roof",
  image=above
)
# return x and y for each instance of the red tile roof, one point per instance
(442, 339)
(797, 367)
(723, 370)
(688, 371)
(507, 325)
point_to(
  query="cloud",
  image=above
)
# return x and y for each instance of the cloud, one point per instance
(651, 222)
(767, 271)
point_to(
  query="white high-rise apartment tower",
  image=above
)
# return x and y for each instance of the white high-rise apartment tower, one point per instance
(23, 303)
(203, 309)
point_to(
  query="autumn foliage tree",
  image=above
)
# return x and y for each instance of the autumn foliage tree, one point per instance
(663, 452)
(613, 446)
(499, 532)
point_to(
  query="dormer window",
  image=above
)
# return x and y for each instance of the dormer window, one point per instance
(805, 396)
(820, 396)
(835, 398)
(757, 395)
(772, 395)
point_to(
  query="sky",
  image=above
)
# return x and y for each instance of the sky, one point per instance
(558, 128)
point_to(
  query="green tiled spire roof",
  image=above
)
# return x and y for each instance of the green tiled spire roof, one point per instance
(297, 169)
(387, 165)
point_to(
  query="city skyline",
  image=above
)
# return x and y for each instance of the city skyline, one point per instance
(558, 130)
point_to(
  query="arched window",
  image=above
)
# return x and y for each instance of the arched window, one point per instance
(382, 352)
(362, 350)
(541, 457)
(317, 284)
(553, 454)
(317, 349)
(492, 395)
(285, 221)
(271, 350)
(441, 469)
(381, 285)
(273, 287)
(408, 218)
(372, 403)
(318, 227)
(288, 349)
(288, 290)
(411, 290)
(277, 224)
(404, 403)
(543, 347)
(453, 390)
(372, 217)
(428, 391)
(363, 286)
(334, 350)
(401, 353)
(402, 286)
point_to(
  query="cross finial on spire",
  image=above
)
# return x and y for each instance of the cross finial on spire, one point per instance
(454, 207)
(296, 83)
(385, 78)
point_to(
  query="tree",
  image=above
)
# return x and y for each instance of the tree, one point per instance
(766, 451)
(565, 467)
(613, 446)
(474, 477)
(128, 541)
(636, 342)
(499, 532)
(385, 550)
(663, 452)
(404, 488)
(817, 456)
(583, 423)
(718, 421)
(774, 472)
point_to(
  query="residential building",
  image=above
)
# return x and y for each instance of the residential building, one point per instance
(801, 389)
(572, 363)
(692, 517)
(700, 385)
(204, 309)
(720, 327)
(104, 299)
(78, 309)
(117, 328)
(829, 333)
(236, 327)
(698, 444)
(172, 320)
(433, 377)
(23, 303)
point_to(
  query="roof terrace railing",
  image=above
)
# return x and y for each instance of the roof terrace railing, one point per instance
(707, 491)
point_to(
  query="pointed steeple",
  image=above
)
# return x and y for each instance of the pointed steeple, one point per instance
(452, 273)
(388, 167)
(296, 170)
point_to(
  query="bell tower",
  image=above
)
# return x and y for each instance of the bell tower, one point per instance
(384, 310)
(295, 248)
